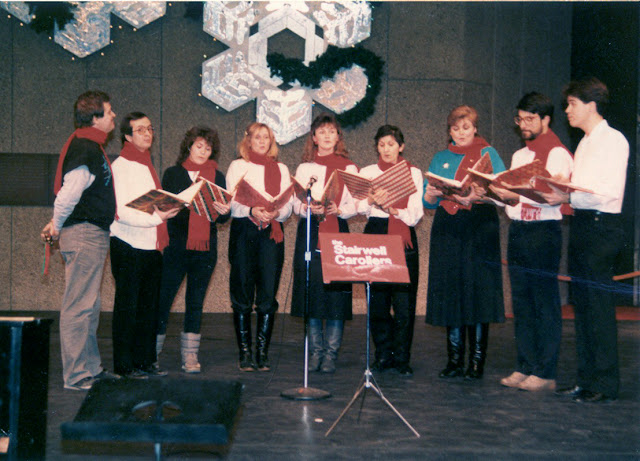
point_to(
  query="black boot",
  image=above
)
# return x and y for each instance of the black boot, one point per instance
(455, 352)
(478, 340)
(263, 338)
(242, 323)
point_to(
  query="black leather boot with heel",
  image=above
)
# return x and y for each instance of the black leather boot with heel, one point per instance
(455, 353)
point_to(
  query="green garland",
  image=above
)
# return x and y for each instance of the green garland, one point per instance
(325, 67)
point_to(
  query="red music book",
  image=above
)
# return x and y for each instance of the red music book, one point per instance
(164, 200)
(462, 188)
(208, 193)
(329, 193)
(397, 181)
(246, 194)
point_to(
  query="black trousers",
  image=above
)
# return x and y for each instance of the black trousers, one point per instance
(256, 265)
(135, 309)
(595, 240)
(392, 336)
(534, 257)
(198, 267)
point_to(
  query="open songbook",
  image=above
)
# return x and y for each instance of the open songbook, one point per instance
(248, 195)
(329, 193)
(201, 194)
(526, 180)
(459, 187)
(397, 181)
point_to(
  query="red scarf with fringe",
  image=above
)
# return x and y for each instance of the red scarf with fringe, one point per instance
(272, 180)
(199, 227)
(332, 162)
(131, 153)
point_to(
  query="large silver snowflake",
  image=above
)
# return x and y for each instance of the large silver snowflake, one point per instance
(240, 74)
(90, 29)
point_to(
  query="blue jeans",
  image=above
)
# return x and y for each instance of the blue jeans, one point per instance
(84, 249)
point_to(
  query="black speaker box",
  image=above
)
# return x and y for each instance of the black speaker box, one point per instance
(24, 381)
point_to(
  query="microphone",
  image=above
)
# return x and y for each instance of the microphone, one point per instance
(312, 181)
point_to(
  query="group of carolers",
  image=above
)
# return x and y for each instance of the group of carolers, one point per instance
(465, 293)
(151, 254)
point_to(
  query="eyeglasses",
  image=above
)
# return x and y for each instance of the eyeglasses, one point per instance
(529, 119)
(144, 129)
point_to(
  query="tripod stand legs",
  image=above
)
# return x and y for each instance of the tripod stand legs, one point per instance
(368, 381)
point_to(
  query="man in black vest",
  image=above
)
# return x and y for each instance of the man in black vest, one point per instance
(84, 209)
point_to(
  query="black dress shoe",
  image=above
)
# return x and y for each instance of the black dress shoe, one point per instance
(570, 391)
(155, 370)
(404, 369)
(382, 365)
(136, 374)
(592, 397)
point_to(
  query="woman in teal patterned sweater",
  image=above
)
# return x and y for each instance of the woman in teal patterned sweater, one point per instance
(465, 274)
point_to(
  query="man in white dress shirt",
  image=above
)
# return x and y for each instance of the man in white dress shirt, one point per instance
(596, 238)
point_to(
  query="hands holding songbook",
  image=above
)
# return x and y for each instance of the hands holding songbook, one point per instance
(378, 197)
(321, 210)
(262, 215)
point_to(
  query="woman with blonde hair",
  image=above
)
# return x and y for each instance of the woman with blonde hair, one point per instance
(256, 244)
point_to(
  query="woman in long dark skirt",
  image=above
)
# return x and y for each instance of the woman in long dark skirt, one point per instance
(328, 303)
(465, 273)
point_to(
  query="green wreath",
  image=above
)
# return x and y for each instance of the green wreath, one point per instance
(325, 67)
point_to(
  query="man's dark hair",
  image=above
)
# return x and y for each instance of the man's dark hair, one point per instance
(88, 105)
(587, 90)
(125, 124)
(209, 135)
(536, 103)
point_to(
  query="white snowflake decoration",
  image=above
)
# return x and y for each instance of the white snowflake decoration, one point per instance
(240, 74)
(90, 29)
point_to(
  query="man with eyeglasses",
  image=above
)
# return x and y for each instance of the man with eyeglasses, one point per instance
(595, 239)
(137, 241)
(534, 250)
(83, 210)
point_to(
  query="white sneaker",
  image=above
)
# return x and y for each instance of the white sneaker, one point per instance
(514, 379)
(82, 385)
(191, 364)
(535, 384)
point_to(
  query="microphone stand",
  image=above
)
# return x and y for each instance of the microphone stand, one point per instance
(304, 392)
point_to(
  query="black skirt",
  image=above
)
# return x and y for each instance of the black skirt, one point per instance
(331, 301)
(465, 272)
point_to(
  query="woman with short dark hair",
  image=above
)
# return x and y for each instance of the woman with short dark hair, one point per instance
(193, 242)
(392, 336)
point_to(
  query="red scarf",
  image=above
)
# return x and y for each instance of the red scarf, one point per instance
(131, 153)
(472, 153)
(199, 226)
(396, 226)
(272, 180)
(89, 132)
(542, 145)
(332, 162)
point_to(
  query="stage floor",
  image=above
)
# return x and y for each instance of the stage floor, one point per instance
(456, 419)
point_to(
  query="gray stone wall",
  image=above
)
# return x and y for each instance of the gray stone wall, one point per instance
(438, 55)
